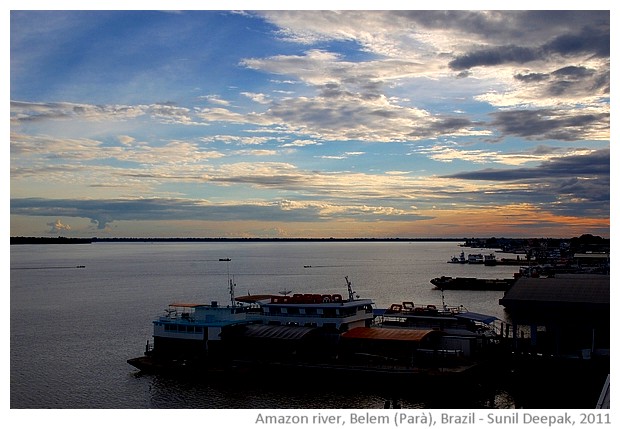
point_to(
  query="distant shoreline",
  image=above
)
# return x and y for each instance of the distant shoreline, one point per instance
(70, 240)
(584, 243)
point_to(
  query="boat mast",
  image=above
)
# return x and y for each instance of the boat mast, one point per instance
(351, 291)
(231, 286)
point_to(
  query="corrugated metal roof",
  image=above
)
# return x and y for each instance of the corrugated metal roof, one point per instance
(254, 298)
(276, 332)
(185, 304)
(585, 289)
(391, 334)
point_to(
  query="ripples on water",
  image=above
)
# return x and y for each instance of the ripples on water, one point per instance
(72, 329)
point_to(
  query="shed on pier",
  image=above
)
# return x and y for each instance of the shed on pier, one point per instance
(566, 314)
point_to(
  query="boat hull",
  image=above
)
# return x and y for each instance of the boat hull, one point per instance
(471, 283)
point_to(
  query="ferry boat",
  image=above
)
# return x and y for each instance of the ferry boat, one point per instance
(305, 335)
(189, 332)
(194, 336)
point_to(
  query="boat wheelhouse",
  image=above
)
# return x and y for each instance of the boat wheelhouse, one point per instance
(312, 310)
(458, 260)
(190, 329)
(476, 258)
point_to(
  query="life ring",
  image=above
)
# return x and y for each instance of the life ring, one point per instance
(327, 298)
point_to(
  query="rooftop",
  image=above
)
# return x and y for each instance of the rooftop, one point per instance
(563, 289)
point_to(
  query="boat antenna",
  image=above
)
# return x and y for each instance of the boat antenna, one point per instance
(231, 285)
(232, 294)
(351, 291)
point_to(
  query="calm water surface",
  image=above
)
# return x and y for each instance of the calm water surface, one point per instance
(72, 329)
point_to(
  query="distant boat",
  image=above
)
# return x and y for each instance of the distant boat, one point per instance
(225, 259)
(458, 260)
(475, 259)
(490, 260)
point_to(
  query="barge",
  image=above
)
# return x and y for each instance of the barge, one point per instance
(471, 283)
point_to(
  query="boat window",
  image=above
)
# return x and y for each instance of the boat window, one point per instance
(329, 312)
(181, 328)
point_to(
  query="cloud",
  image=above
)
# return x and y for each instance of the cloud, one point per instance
(257, 97)
(587, 42)
(214, 99)
(594, 164)
(302, 143)
(23, 112)
(553, 124)
(452, 152)
(494, 57)
(103, 212)
(573, 185)
(239, 140)
(30, 151)
(58, 227)
(340, 115)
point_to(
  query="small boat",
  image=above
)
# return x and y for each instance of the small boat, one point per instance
(225, 259)
(458, 260)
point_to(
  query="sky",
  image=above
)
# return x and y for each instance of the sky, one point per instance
(309, 123)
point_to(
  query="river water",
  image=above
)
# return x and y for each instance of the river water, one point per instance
(79, 311)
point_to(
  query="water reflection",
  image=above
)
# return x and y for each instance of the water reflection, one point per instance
(265, 392)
